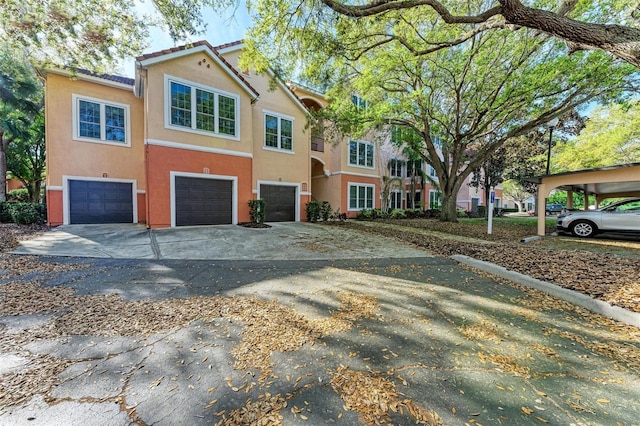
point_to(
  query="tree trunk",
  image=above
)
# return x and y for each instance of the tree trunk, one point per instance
(449, 210)
(34, 191)
(3, 166)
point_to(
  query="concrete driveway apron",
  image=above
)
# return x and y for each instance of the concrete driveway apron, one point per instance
(284, 241)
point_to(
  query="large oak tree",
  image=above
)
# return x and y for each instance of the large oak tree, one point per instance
(464, 101)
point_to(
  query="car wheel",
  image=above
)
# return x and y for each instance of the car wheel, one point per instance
(584, 229)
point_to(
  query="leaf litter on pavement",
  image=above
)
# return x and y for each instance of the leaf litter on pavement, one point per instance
(267, 327)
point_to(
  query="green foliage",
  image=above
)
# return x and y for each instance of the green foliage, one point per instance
(560, 197)
(365, 214)
(398, 214)
(5, 212)
(611, 137)
(19, 195)
(257, 211)
(320, 211)
(313, 209)
(459, 105)
(28, 213)
(325, 210)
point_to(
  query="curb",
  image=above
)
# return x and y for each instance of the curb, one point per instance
(597, 306)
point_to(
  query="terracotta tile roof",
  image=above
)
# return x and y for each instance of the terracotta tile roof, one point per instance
(196, 44)
(226, 45)
(110, 77)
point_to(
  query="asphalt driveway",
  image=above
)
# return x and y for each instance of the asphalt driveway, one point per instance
(398, 339)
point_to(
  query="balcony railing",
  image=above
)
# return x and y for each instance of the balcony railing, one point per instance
(317, 144)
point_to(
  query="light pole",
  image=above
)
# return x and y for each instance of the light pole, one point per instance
(551, 124)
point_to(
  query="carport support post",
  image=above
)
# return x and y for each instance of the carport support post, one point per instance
(542, 192)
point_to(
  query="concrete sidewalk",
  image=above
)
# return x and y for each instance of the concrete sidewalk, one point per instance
(283, 241)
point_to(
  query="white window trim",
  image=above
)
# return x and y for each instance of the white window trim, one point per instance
(167, 108)
(433, 191)
(234, 192)
(264, 132)
(357, 184)
(358, 165)
(289, 184)
(396, 161)
(66, 213)
(393, 194)
(75, 111)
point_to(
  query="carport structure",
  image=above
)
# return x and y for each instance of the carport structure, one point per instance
(605, 182)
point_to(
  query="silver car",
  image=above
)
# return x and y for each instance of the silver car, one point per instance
(622, 216)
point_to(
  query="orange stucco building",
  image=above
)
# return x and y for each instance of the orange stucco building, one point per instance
(190, 141)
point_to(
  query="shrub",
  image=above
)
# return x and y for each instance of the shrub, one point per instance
(366, 214)
(336, 215)
(28, 213)
(398, 214)
(5, 212)
(462, 214)
(18, 195)
(313, 210)
(256, 210)
(325, 210)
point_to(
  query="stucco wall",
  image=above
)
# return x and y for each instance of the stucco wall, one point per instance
(66, 156)
(201, 69)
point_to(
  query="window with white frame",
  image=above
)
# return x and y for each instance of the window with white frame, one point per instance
(361, 154)
(435, 200)
(361, 196)
(201, 109)
(395, 168)
(278, 132)
(414, 167)
(395, 200)
(97, 120)
(432, 172)
(360, 103)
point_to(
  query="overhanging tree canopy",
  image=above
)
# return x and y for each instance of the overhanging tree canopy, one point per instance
(495, 85)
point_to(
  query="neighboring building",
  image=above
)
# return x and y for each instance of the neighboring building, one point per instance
(193, 138)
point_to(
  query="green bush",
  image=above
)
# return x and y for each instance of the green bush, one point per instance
(28, 213)
(398, 214)
(5, 212)
(313, 210)
(18, 195)
(256, 210)
(325, 210)
(366, 214)
(462, 214)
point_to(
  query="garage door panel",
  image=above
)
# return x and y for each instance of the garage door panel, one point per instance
(280, 202)
(202, 201)
(94, 202)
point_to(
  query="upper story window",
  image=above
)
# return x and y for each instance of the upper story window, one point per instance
(278, 132)
(97, 120)
(432, 172)
(361, 154)
(414, 167)
(201, 109)
(395, 167)
(360, 103)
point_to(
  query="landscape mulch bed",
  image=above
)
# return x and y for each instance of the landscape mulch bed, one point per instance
(610, 278)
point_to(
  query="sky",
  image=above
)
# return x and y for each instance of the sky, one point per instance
(222, 27)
